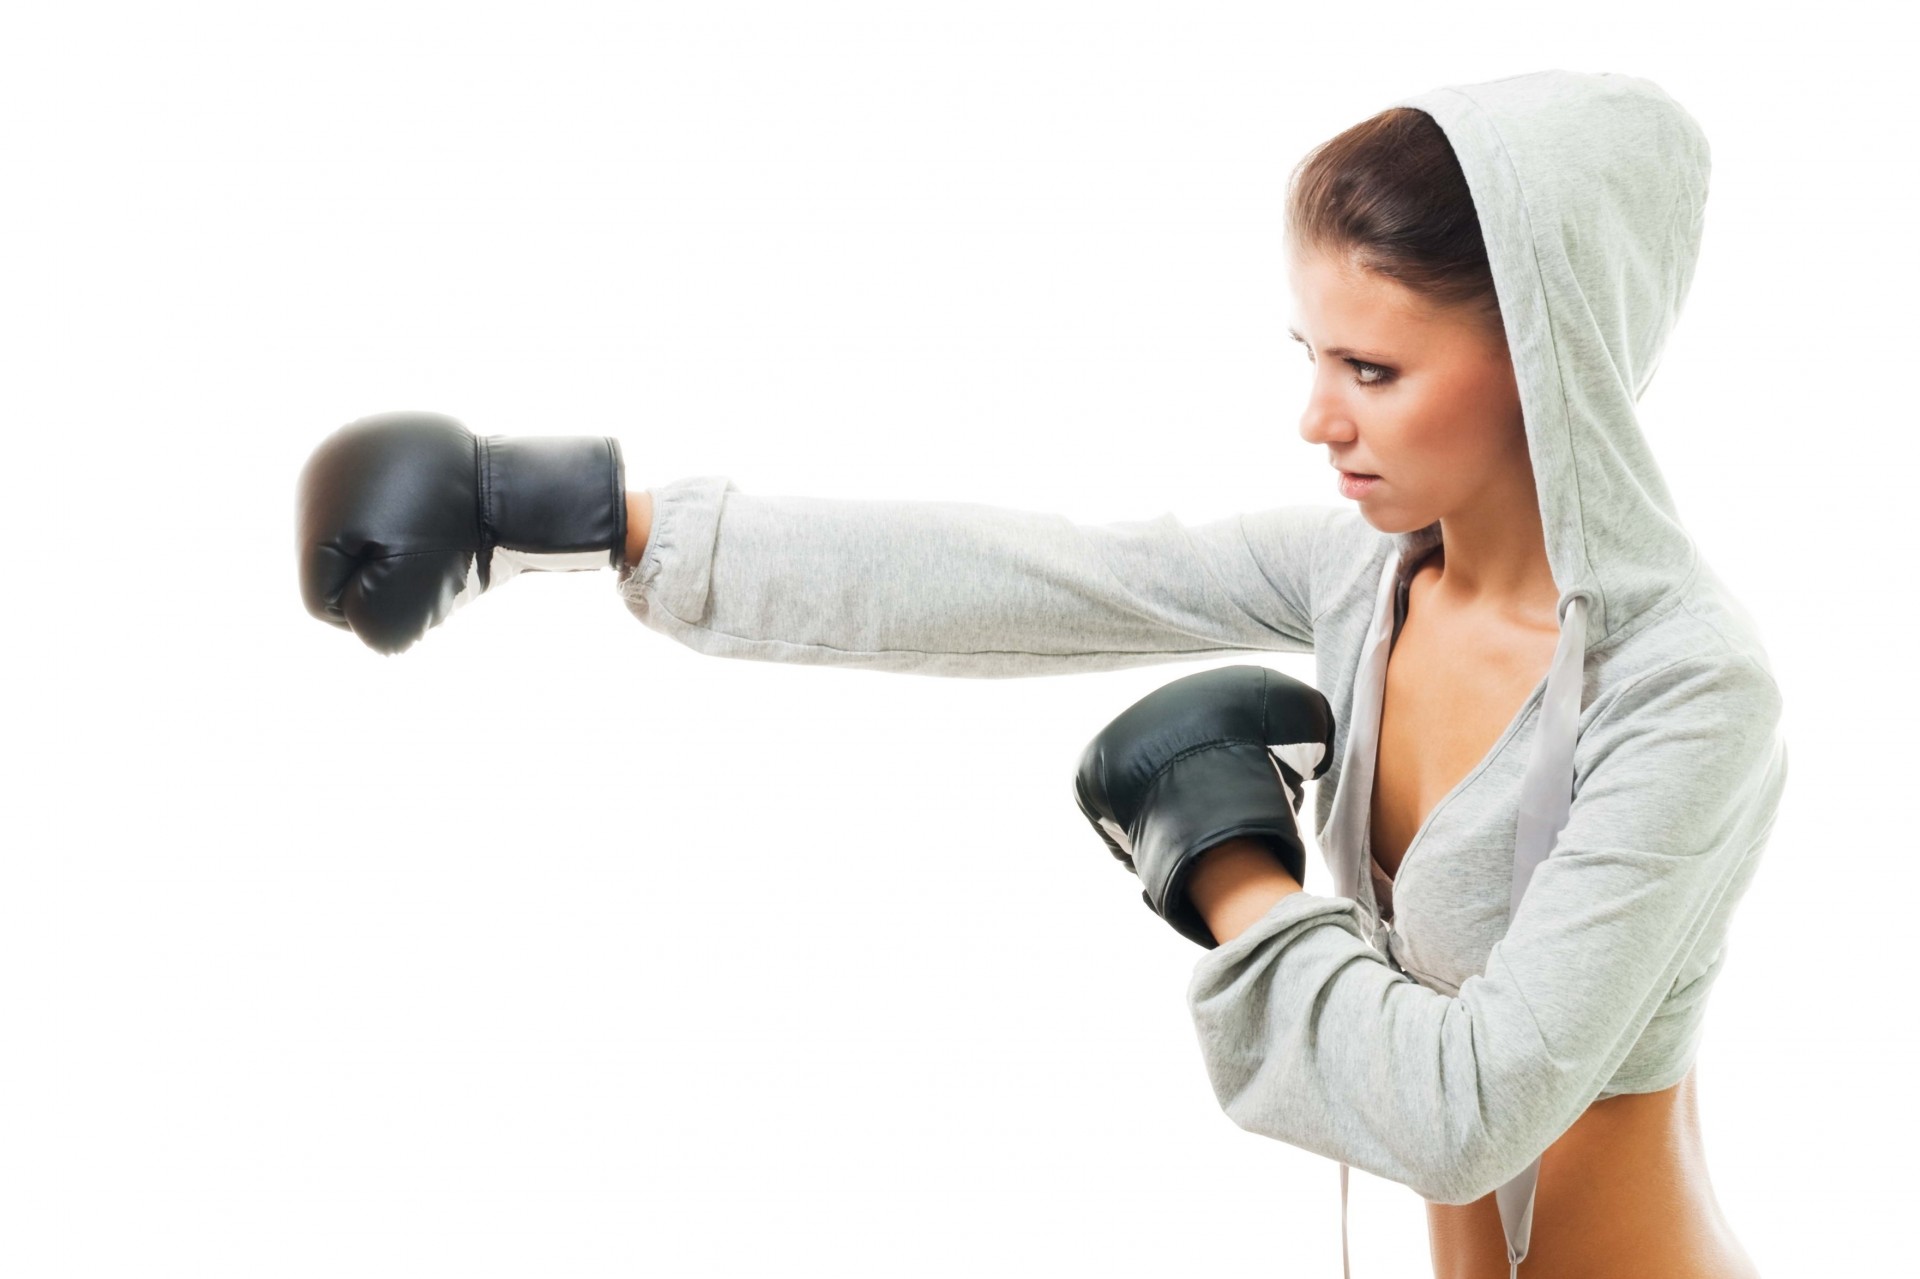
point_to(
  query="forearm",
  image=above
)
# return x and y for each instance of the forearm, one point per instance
(639, 524)
(1237, 882)
(949, 588)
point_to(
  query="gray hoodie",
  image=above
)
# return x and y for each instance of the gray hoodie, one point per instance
(1558, 920)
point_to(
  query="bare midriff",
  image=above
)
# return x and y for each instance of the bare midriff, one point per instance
(1624, 1192)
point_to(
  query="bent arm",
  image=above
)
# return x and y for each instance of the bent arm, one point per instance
(960, 588)
(1312, 1038)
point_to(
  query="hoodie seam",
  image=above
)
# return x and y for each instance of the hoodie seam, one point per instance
(1246, 543)
(1346, 588)
(1151, 654)
(1707, 661)
(1725, 640)
(1731, 648)
(1536, 280)
(1674, 600)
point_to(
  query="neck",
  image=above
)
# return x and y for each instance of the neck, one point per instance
(1493, 557)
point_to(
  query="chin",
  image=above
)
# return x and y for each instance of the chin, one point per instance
(1390, 523)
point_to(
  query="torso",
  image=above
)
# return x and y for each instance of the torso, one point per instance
(1624, 1191)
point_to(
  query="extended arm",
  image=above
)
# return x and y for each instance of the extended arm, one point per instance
(402, 518)
(963, 588)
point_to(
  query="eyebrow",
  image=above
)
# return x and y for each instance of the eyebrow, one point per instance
(1338, 352)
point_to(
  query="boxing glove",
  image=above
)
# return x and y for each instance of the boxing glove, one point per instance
(1212, 756)
(401, 518)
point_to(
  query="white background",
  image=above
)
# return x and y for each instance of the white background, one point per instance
(551, 947)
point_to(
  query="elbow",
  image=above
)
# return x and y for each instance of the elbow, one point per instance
(1443, 1176)
(1453, 1184)
(1442, 1172)
(1437, 1173)
(1470, 1176)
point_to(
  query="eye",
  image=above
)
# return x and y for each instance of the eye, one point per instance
(1370, 374)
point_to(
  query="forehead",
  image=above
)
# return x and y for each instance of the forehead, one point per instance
(1344, 309)
(1341, 291)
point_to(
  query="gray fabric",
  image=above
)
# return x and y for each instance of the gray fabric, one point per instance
(1447, 1051)
(1544, 805)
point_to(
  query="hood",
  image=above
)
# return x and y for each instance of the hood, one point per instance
(1589, 188)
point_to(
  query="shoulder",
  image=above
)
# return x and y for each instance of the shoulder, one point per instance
(1700, 648)
(1717, 711)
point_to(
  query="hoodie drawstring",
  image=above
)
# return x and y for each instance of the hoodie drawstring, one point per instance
(1546, 798)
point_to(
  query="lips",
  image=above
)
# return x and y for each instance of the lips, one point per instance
(1355, 486)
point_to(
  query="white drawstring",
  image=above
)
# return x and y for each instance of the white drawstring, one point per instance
(1546, 798)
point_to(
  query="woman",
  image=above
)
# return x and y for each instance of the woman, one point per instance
(1523, 650)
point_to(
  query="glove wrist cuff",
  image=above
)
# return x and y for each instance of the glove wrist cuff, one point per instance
(554, 496)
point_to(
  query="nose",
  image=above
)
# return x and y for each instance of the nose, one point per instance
(1325, 420)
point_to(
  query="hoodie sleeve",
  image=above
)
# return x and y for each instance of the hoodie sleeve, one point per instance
(1312, 1038)
(954, 588)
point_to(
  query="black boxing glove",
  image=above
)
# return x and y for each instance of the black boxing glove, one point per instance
(1209, 757)
(404, 517)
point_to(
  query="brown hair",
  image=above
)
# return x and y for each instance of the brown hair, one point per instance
(1388, 197)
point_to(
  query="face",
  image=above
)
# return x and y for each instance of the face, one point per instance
(1421, 397)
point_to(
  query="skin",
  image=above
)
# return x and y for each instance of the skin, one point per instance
(1426, 398)
(639, 526)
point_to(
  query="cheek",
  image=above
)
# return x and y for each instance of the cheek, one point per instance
(1429, 428)
(1466, 425)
